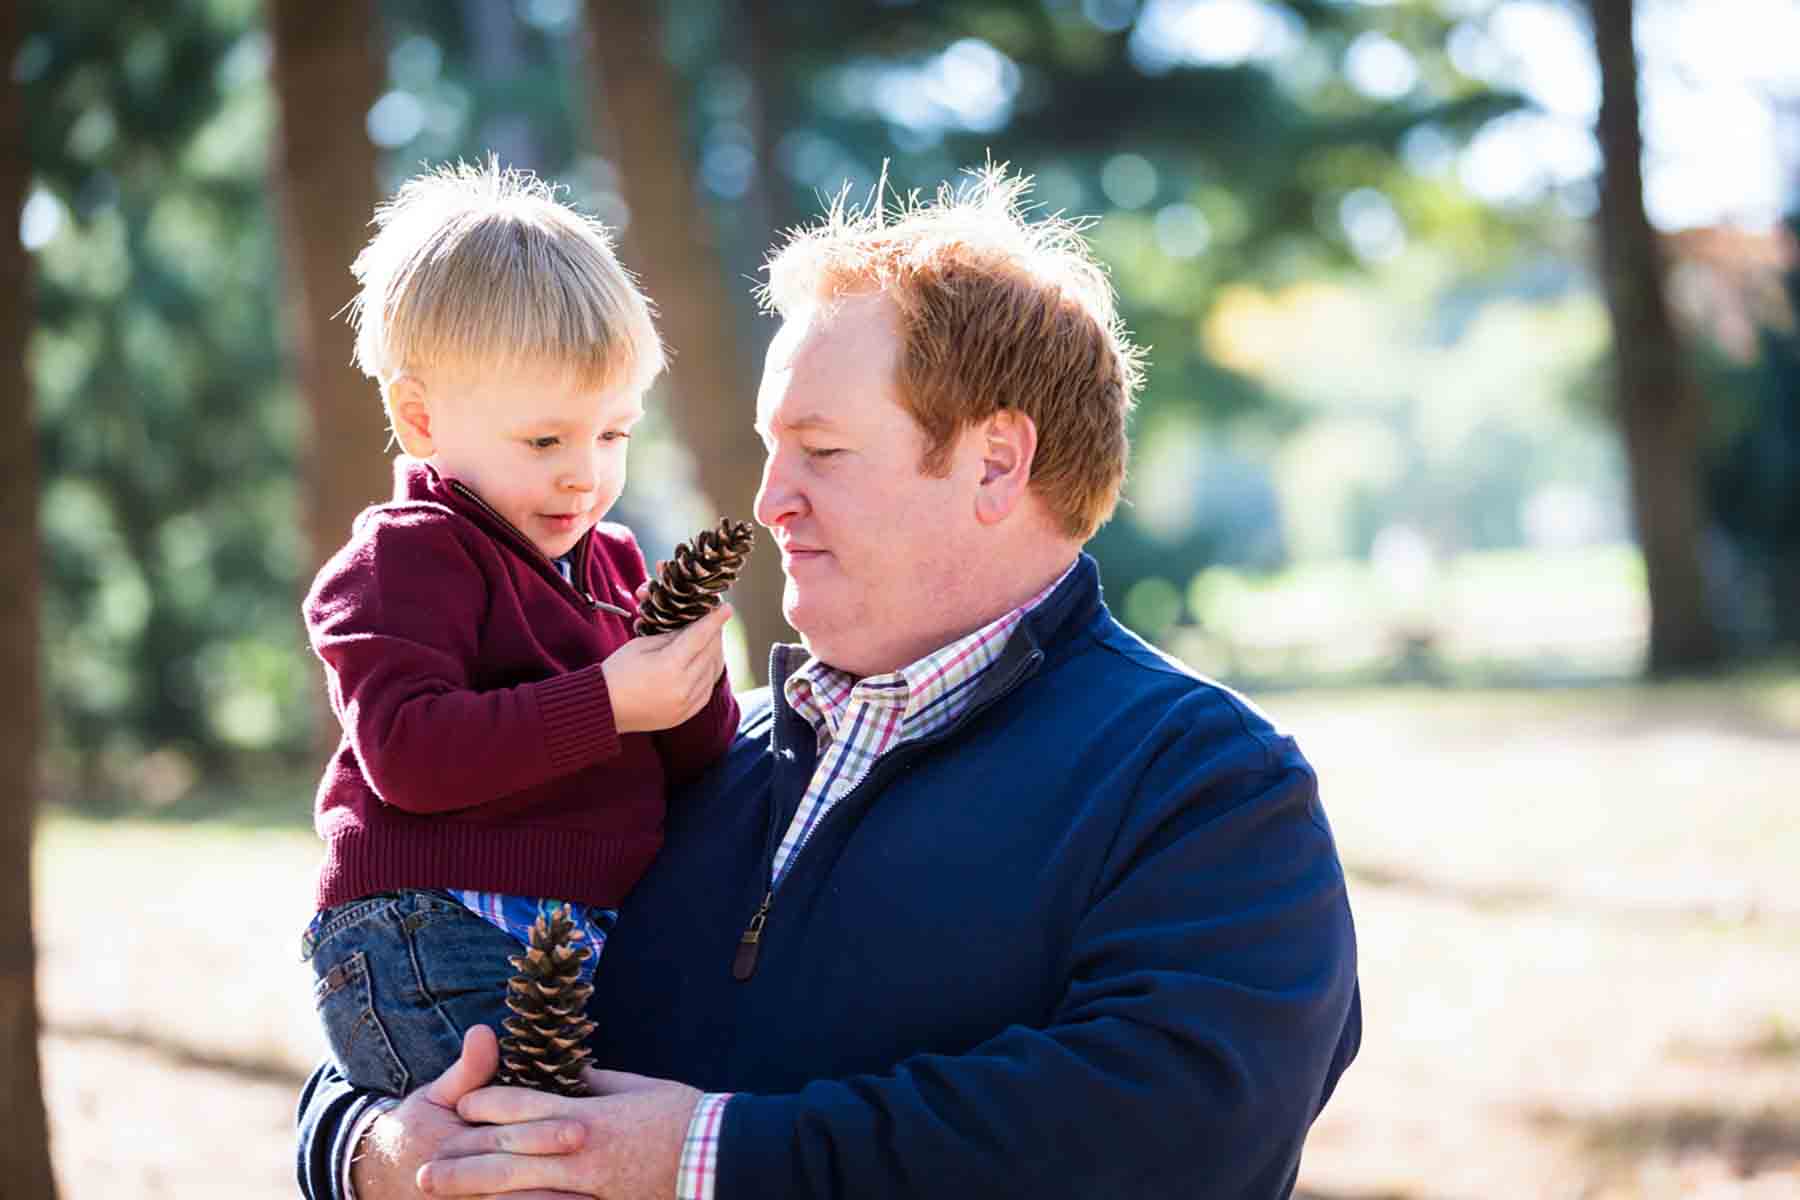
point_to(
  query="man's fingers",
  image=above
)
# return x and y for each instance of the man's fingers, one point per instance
(490, 1174)
(510, 1105)
(616, 1083)
(531, 1137)
(479, 1060)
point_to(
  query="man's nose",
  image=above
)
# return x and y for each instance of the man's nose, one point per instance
(777, 500)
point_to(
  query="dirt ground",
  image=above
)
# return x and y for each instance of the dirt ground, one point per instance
(1578, 917)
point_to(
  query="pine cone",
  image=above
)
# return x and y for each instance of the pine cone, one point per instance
(693, 580)
(545, 1045)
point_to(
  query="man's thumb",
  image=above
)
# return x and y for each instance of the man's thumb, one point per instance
(479, 1060)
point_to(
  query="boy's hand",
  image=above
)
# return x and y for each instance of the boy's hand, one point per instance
(659, 682)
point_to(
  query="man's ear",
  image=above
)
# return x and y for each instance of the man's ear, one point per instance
(409, 415)
(1009, 444)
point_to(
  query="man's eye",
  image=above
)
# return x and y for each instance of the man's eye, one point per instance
(822, 451)
(543, 443)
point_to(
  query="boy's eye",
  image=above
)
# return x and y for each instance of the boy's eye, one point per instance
(614, 435)
(543, 443)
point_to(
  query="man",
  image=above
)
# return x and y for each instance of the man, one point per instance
(989, 898)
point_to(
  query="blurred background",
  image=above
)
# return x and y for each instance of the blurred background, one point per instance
(1470, 450)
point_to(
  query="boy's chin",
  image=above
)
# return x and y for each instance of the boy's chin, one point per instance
(561, 546)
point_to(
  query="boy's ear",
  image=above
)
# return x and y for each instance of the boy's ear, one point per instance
(409, 415)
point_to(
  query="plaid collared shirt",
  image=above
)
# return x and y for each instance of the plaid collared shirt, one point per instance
(857, 721)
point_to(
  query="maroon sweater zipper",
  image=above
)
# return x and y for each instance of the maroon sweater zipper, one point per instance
(543, 561)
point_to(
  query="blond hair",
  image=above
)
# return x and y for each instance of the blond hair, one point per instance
(482, 268)
(997, 312)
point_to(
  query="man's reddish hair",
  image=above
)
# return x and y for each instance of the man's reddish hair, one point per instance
(997, 312)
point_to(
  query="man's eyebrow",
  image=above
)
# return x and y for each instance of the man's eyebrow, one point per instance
(812, 420)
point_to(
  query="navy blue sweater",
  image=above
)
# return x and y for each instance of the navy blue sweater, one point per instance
(1092, 939)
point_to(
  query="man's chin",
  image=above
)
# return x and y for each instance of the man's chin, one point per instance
(805, 622)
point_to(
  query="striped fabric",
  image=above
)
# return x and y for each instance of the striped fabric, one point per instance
(856, 721)
(699, 1170)
(517, 914)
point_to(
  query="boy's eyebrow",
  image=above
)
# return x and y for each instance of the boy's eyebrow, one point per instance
(558, 425)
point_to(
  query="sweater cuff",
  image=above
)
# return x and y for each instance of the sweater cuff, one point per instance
(578, 719)
(699, 1170)
(353, 1142)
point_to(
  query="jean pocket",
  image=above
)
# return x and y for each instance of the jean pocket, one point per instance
(459, 953)
(359, 1042)
(334, 921)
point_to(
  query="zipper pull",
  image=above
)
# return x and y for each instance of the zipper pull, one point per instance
(743, 964)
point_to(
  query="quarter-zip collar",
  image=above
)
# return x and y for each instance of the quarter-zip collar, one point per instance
(793, 741)
(415, 479)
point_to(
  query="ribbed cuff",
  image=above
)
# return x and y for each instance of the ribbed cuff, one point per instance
(358, 1128)
(577, 716)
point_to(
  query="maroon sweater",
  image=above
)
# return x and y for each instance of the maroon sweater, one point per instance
(479, 749)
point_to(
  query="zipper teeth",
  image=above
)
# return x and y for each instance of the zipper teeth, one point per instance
(519, 538)
(909, 750)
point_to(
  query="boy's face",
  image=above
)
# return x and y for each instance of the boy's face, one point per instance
(546, 453)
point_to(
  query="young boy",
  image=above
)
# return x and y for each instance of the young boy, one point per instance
(507, 743)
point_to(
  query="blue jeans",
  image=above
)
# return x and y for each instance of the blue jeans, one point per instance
(400, 976)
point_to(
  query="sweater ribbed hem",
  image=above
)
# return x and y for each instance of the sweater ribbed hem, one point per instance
(559, 864)
(577, 717)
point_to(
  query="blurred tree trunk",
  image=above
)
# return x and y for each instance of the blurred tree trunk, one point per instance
(25, 1144)
(497, 51)
(1658, 401)
(327, 74)
(711, 389)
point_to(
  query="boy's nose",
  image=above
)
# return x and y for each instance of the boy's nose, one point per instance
(581, 476)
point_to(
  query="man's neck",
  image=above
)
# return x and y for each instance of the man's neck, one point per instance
(1016, 588)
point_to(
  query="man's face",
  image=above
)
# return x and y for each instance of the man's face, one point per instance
(870, 547)
(544, 452)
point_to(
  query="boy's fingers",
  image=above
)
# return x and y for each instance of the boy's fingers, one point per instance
(690, 641)
(703, 634)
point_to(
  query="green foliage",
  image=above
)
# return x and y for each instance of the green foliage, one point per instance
(166, 430)
(1754, 479)
(1205, 171)
(169, 430)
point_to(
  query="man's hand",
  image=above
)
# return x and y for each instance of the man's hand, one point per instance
(630, 1148)
(659, 682)
(426, 1126)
